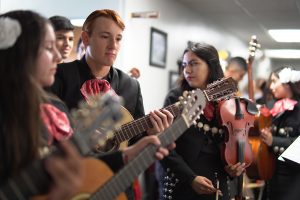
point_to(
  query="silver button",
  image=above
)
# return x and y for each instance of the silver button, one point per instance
(281, 149)
(275, 149)
(281, 131)
(214, 130)
(206, 127)
(200, 125)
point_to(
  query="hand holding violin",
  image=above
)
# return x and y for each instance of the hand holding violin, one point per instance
(235, 170)
(266, 136)
(203, 185)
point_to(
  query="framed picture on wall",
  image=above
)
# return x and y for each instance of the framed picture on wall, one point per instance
(173, 79)
(158, 48)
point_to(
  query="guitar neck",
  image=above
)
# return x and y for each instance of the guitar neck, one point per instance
(214, 91)
(128, 173)
(140, 125)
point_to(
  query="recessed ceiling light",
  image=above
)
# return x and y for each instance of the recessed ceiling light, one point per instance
(283, 53)
(285, 35)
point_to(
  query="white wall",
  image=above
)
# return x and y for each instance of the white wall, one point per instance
(68, 8)
(180, 23)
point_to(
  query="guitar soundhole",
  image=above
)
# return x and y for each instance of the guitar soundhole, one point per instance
(109, 145)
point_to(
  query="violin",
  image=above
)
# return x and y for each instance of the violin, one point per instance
(237, 118)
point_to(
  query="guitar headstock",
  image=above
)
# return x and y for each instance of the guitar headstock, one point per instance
(101, 110)
(253, 46)
(221, 89)
(192, 104)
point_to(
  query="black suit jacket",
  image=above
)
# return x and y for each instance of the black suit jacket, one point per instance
(70, 77)
(197, 153)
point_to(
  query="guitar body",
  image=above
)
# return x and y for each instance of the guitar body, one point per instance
(110, 144)
(96, 174)
(263, 165)
(264, 160)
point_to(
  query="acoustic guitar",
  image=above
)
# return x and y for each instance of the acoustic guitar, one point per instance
(118, 139)
(34, 180)
(263, 165)
(102, 184)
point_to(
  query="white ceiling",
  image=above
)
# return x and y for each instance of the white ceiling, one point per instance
(244, 18)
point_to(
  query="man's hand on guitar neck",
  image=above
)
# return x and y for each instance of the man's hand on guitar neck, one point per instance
(161, 120)
(132, 151)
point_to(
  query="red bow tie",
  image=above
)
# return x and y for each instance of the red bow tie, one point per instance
(94, 87)
(56, 122)
(283, 105)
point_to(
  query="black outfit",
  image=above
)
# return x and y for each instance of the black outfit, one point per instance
(71, 76)
(285, 129)
(197, 153)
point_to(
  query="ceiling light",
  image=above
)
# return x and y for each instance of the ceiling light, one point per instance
(77, 22)
(283, 53)
(285, 35)
(147, 14)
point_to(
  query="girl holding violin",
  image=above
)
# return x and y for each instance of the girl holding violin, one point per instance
(195, 166)
(285, 87)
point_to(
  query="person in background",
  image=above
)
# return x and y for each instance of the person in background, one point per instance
(28, 114)
(190, 169)
(236, 68)
(101, 35)
(80, 50)
(285, 87)
(64, 31)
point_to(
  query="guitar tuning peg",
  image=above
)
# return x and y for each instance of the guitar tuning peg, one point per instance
(84, 112)
(82, 104)
(185, 93)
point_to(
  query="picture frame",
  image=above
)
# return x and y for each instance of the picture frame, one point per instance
(158, 48)
(173, 79)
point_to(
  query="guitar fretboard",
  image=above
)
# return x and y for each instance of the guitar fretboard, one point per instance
(128, 173)
(140, 125)
(217, 90)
